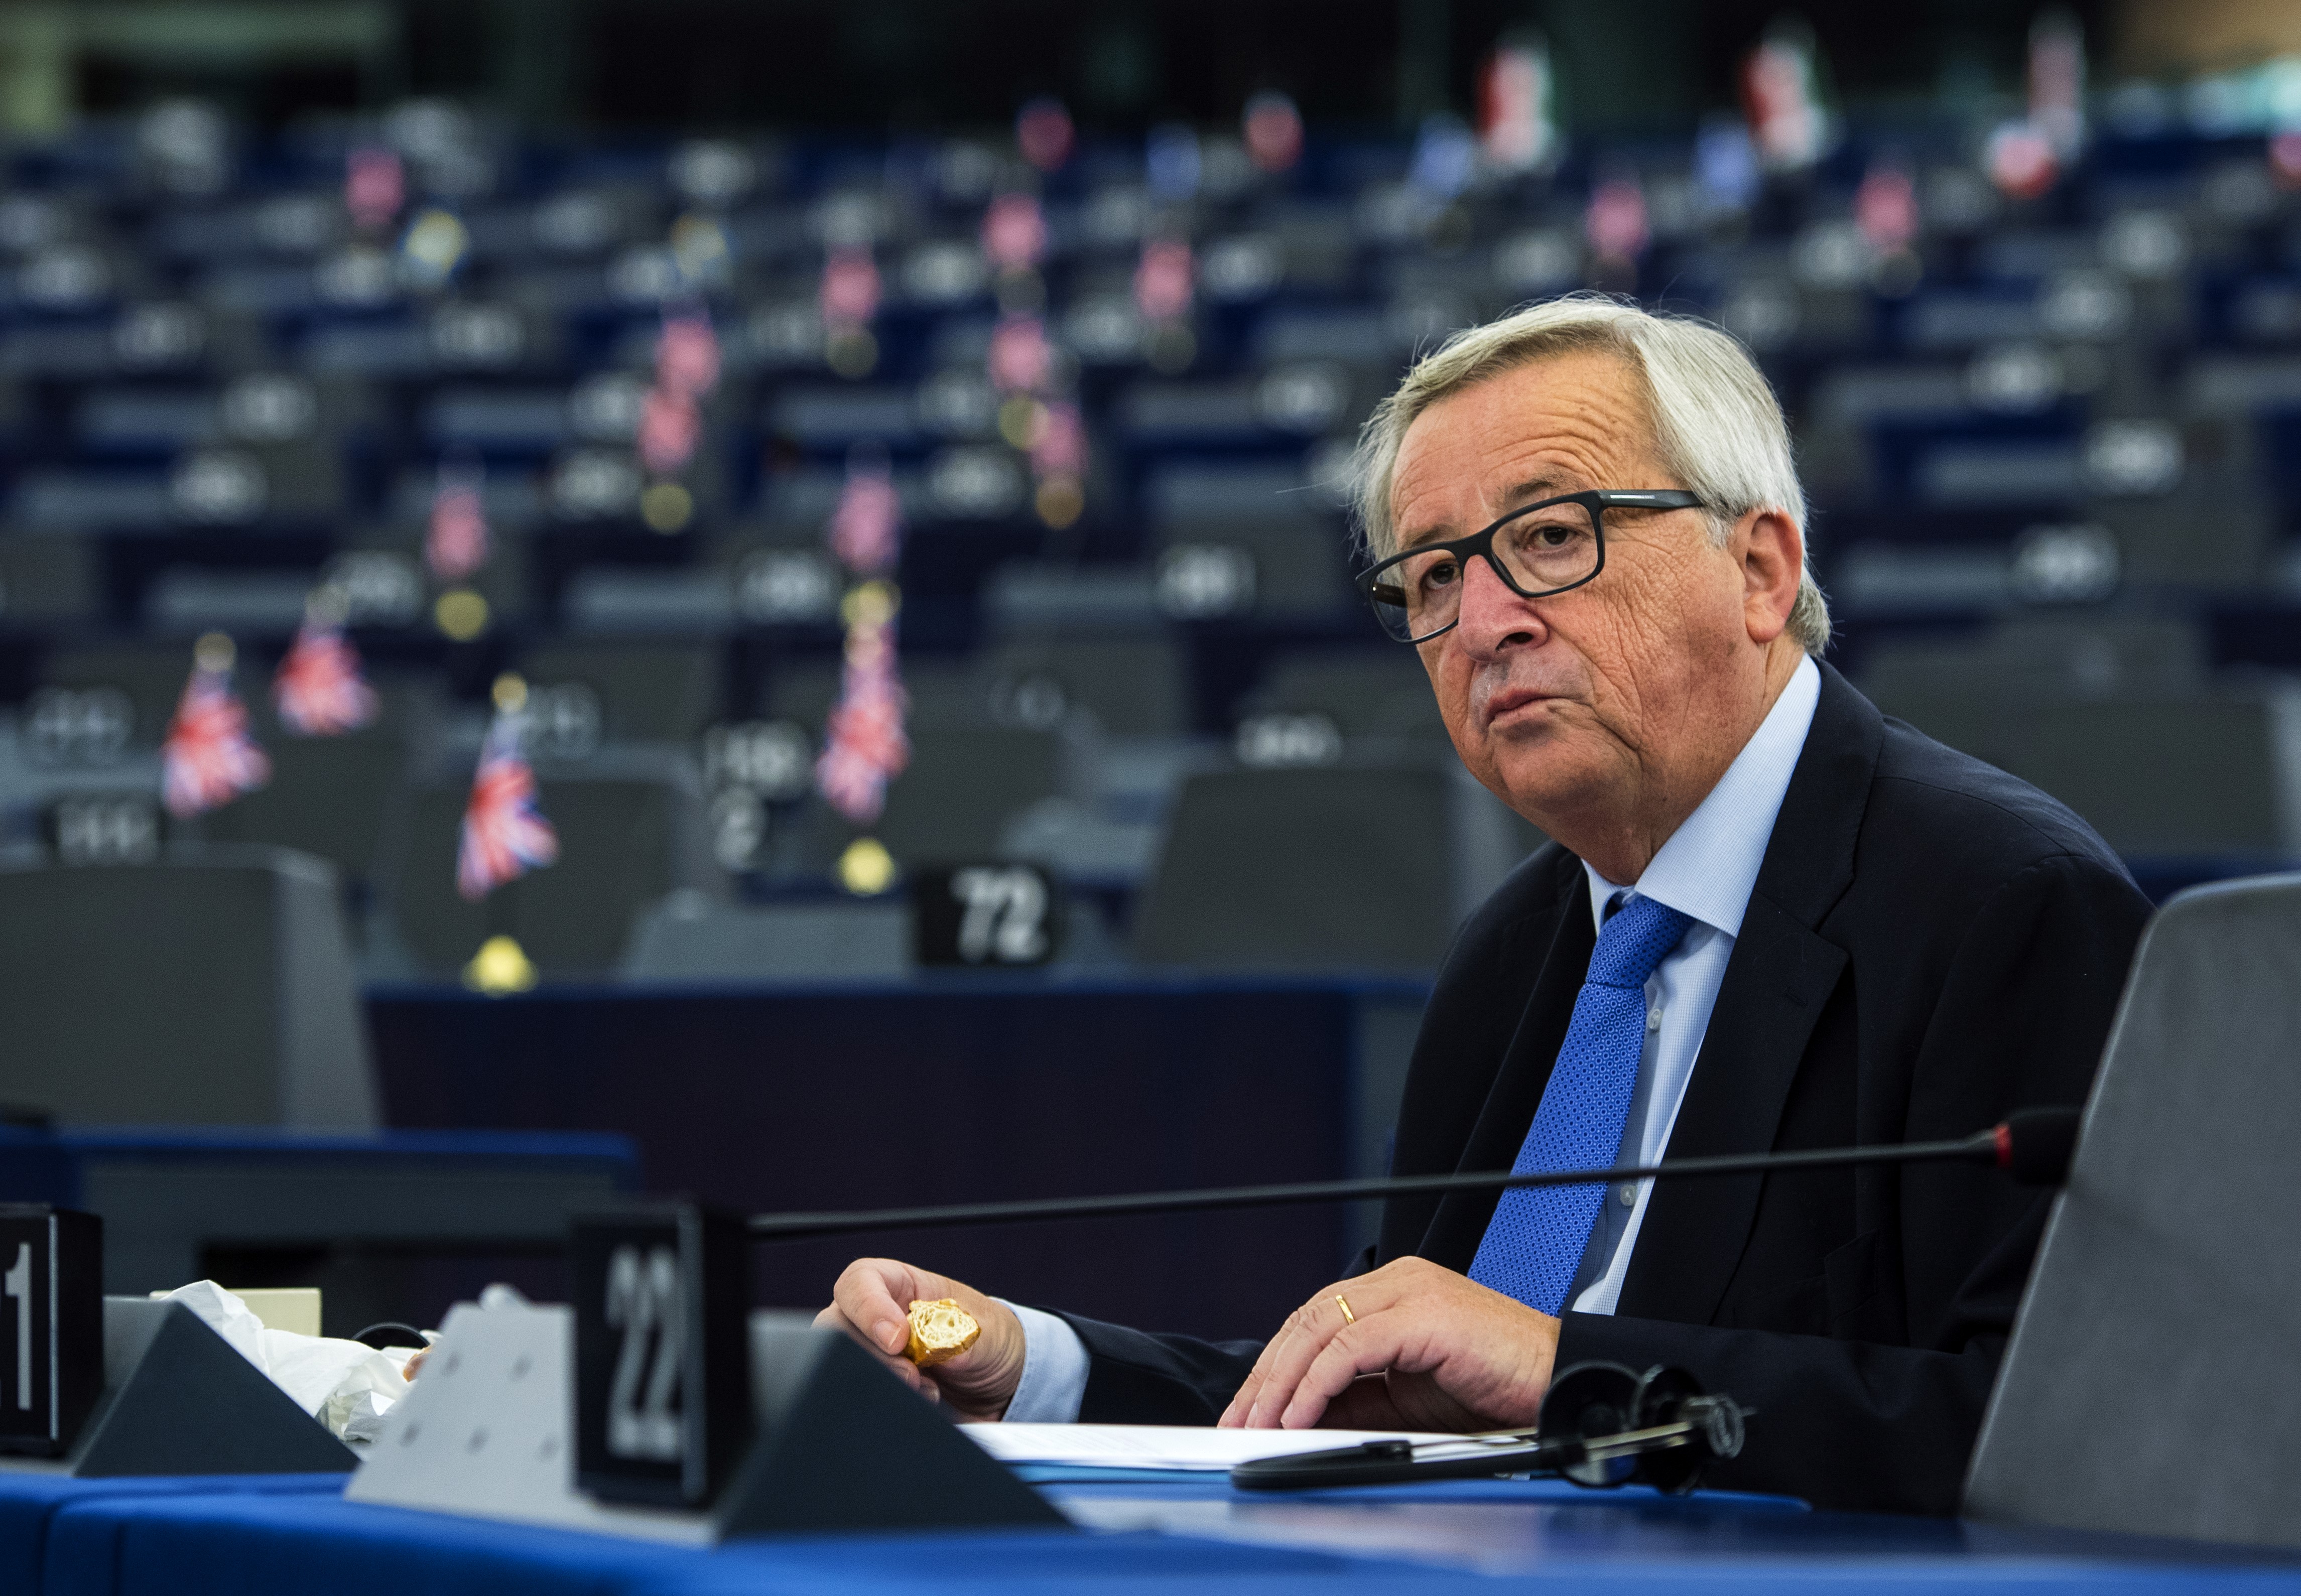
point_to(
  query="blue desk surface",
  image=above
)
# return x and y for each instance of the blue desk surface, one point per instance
(188, 1537)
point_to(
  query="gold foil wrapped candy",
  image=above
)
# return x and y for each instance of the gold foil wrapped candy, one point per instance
(940, 1331)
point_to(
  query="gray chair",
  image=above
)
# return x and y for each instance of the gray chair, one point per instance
(625, 843)
(2160, 776)
(215, 987)
(152, 676)
(2149, 1388)
(1301, 561)
(2115, 718)
(329, 796)
(1364, 868)
(1381, 693)
(1132, 686)
(965, 782)
(647, 692)
(44, 581)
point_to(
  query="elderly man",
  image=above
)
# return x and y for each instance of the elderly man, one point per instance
(1769, 918)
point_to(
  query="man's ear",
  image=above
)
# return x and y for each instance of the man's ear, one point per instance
(1773, 563)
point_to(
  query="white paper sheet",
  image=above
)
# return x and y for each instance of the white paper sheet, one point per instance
(1163, 1446)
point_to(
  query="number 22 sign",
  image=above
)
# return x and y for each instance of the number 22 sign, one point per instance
(663, 1387)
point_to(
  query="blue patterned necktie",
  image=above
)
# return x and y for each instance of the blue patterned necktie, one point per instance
(1534, 1244)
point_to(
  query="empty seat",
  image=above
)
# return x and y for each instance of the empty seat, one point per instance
(1366, 693)
(44, 581)
(1285, 566)
(152, 678)
(962, 786)
(624, 843)
(1132, 686)
(645, 692)
(329, 796)
(2116, 719)
(2195, 774)
(214, 987)
(1366, 868)
(965, 782)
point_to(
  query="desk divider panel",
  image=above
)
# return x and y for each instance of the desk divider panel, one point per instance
(839, 1443)
(2150, 1386)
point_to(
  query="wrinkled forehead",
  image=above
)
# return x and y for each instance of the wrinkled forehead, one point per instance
(1558, 422)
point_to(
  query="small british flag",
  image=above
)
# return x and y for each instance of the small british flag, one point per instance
(687, 355)
(866, 528)
(505, 835)
(849, 295)
(209, 759)
(455, 544)
(670, 427)
(866, 747)
(1164, 280)
(319, 690)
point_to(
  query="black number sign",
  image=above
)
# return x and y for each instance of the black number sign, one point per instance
(51, 1326)
(663, 1384)
(983, 916)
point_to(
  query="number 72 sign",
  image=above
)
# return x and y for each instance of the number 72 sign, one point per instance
(986, 915)
(51, 1326)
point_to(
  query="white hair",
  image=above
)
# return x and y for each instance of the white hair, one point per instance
(1717, 426)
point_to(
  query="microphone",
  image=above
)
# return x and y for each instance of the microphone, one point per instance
(2033, 1145)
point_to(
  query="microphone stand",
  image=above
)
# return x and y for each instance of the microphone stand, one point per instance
(2032, 1144)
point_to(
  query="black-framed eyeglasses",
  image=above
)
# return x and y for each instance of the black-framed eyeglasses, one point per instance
(1549, 546)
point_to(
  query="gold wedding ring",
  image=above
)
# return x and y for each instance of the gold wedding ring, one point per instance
(1349, 1317)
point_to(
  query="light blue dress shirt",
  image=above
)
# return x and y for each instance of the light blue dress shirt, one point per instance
(1706, 870)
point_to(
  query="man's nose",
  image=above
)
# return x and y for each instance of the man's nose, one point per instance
(1494, 617)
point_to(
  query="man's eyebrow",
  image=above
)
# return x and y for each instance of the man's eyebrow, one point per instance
(1532, 490)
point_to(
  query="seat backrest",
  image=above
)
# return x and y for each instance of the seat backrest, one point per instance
(625, 843)
(1132, 686)
(1366, 692)
(152, 676)
(2150, 1385)
(1332, 868)
(647, 692)
(2189, 776)
(215, 987)
(329, 796)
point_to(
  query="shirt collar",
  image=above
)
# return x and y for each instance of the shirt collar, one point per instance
(1707, 867)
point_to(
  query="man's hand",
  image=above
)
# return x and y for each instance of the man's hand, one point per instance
(871, 1303)
(1431, 1349)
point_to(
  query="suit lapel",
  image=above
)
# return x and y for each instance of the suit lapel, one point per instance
(1781, 973)
(1461, 1218)
(1693, 1231)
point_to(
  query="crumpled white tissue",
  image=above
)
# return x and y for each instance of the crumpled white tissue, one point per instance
(338, 1382)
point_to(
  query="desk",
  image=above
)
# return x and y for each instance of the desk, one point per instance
(358, 1216)
(31, 1500)
(188, 1538)
(979, 1086)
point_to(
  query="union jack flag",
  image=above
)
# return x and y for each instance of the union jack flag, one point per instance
(505, 835)
(866, 528)
(669, 429)
(319, 690)
(866, 747)
(455, 544)
(687, 355)
(209, 759)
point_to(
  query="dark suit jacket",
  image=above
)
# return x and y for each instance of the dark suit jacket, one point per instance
(1930, 944)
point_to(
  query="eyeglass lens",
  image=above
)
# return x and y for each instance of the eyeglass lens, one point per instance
(1552, 548)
